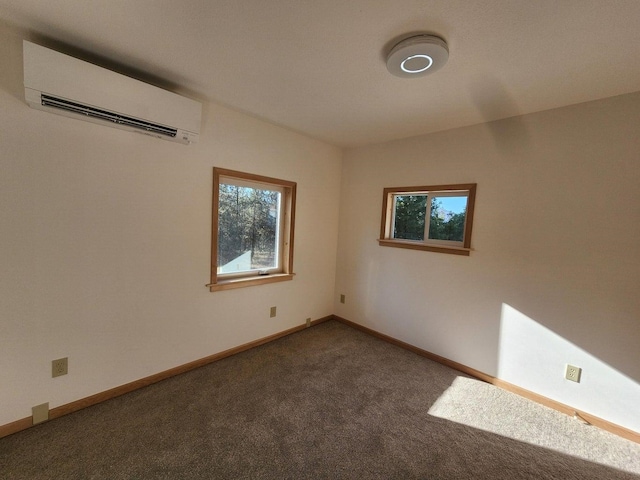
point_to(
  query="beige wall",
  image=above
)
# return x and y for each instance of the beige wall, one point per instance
(105, 236)
(105, 245)
(554, 273)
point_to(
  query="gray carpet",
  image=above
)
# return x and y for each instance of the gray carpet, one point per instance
(327, 402)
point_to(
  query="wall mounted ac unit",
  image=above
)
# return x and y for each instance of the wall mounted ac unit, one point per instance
(61, 84)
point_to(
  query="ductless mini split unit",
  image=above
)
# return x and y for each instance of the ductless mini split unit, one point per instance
(61, 84)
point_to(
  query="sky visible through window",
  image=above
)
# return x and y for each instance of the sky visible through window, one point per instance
(453, 204)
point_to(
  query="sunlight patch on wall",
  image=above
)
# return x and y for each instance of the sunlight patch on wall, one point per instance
(535, 358)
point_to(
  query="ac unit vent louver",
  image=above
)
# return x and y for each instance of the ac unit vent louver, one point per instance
(65, 85)
(49, 101)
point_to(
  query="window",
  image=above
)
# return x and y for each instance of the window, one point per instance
(252, 230)
(435, 218)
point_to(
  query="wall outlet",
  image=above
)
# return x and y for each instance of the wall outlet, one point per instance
(342, 298)
(272, 313)
(573, 373)
(40, 413)
(308, 322)
(59, 367)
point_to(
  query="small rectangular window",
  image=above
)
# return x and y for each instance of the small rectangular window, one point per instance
(434, 218)
(252, 233)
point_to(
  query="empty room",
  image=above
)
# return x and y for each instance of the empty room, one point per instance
(293, 239)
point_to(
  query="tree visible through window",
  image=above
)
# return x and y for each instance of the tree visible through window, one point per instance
(409, 218)
(252, 233)
(248, 230)
(435, 218)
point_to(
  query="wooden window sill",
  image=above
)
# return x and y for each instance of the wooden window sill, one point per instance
(385, 242)
(249, 281)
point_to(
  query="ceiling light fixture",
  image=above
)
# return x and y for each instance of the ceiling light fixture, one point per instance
(422, 59)
(417, 56)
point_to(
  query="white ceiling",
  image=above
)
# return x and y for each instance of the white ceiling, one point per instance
(317, 66)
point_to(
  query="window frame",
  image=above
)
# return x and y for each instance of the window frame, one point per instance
(431, 245)
(287, 226)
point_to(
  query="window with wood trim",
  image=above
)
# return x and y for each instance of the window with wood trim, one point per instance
(435, 218)
(252, 229)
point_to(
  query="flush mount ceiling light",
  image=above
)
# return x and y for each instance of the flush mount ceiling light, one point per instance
(417, 56)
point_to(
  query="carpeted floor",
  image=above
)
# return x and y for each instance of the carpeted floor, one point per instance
(329, 402)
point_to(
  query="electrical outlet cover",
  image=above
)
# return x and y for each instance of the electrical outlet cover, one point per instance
(40, 413)
(59, 367)
(573, 373)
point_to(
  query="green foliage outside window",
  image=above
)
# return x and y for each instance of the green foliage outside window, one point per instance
(409, 220)
(410, 212)
(446, 227)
